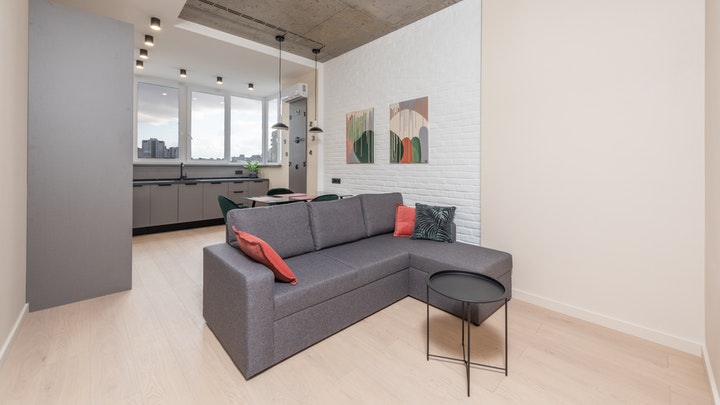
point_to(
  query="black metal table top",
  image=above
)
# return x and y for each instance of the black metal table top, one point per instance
(467, 286)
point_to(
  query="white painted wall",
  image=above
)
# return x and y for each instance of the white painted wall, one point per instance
(593, 159)
(712, 193)
(13, 164)
(437, 57)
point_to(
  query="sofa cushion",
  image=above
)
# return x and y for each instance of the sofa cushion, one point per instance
(320, 279)
(433, 223)
(371, 257)
(379, 212)
(430, 256)
(258, 250)
(335, 222)
(404, 220)
(284, 227)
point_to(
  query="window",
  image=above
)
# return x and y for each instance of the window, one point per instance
(157, 121)
(207, 129)
(203, 125)
(246, 140)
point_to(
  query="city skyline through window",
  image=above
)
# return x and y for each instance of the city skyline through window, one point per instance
(210, 130)
(157, 121)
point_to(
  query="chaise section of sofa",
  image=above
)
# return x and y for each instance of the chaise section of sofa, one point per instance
(348, 266)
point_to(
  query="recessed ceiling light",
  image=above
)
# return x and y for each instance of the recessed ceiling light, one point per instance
(164, 94)
(219, 80)
(155, 23)
(139, 64)
(183, 73)
(143, 54)
(251, 87)
(149, 40)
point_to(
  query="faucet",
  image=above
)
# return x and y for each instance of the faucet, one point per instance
(183, 176)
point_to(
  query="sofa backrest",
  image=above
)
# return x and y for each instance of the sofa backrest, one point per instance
(379, 212)
(336, 222)
(286, 228)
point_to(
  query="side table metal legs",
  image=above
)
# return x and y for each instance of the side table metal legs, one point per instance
(466, 315)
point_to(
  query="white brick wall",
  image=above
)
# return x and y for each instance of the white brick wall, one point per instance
(437, 57)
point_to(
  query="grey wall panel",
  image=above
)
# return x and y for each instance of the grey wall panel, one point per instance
(79, 155)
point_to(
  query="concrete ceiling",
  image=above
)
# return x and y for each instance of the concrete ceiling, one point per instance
(334, 26)
(235, 39)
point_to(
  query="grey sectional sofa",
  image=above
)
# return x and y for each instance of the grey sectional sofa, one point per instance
(348, 265)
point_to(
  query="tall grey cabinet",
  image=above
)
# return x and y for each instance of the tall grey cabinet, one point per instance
(297, 137)
(79, 155)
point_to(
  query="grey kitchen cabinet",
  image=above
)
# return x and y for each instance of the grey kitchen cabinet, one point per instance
(238, 190)
(258, 187)
(163, 204)
(190, 202)
(168, 202)
(141, 206)
(211, 190)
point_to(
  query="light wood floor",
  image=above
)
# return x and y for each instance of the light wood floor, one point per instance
(150, 345)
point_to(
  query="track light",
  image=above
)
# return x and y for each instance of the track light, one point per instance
(143, 54)
(219, 80)
(155, 23)
(251, 87)
(149, 40)
(139, 64)
(183, 73)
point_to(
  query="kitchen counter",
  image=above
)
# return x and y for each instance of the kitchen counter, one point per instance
(194, 180)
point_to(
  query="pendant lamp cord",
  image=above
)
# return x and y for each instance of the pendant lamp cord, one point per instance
(280, 40)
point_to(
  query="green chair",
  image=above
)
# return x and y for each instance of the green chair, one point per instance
(326, 197)
(275, 191)
(226, 205)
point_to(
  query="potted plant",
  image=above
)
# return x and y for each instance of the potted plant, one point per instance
(253, 168)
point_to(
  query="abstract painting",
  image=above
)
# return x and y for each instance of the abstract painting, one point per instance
(409, 131)
(360, 146)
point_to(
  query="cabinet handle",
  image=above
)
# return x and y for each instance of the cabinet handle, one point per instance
(137, 185)
(239, 192)
(258, 181)
(190, 184)
(164, 185)
(215, 182)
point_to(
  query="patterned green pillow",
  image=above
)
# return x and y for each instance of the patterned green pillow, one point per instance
(433, 223)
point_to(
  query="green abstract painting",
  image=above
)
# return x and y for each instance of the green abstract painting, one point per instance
(360, 146)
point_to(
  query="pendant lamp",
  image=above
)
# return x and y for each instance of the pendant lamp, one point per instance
(316, 129)
(279, 125)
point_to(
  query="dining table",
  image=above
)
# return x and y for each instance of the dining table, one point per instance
(280, 198)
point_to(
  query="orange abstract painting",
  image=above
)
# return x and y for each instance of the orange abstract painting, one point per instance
(409, 131)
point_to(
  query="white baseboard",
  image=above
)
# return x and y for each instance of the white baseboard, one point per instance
(711, 375)
(662, 338)
(13, 333)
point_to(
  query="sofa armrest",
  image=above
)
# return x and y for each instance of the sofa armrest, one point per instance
(238, 306)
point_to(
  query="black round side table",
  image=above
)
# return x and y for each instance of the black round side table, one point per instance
(468, 288)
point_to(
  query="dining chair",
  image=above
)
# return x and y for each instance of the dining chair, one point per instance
(275, 191)
(325, 197)
(226, 205)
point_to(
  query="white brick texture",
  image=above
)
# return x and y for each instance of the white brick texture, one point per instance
(437, 57)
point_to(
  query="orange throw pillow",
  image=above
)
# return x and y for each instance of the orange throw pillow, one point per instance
(404, 220)
(261, 252)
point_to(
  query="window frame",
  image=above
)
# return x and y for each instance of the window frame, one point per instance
(181, 95)
(184, 125)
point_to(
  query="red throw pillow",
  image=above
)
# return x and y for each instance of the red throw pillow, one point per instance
(261, 252)
(404, 220)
